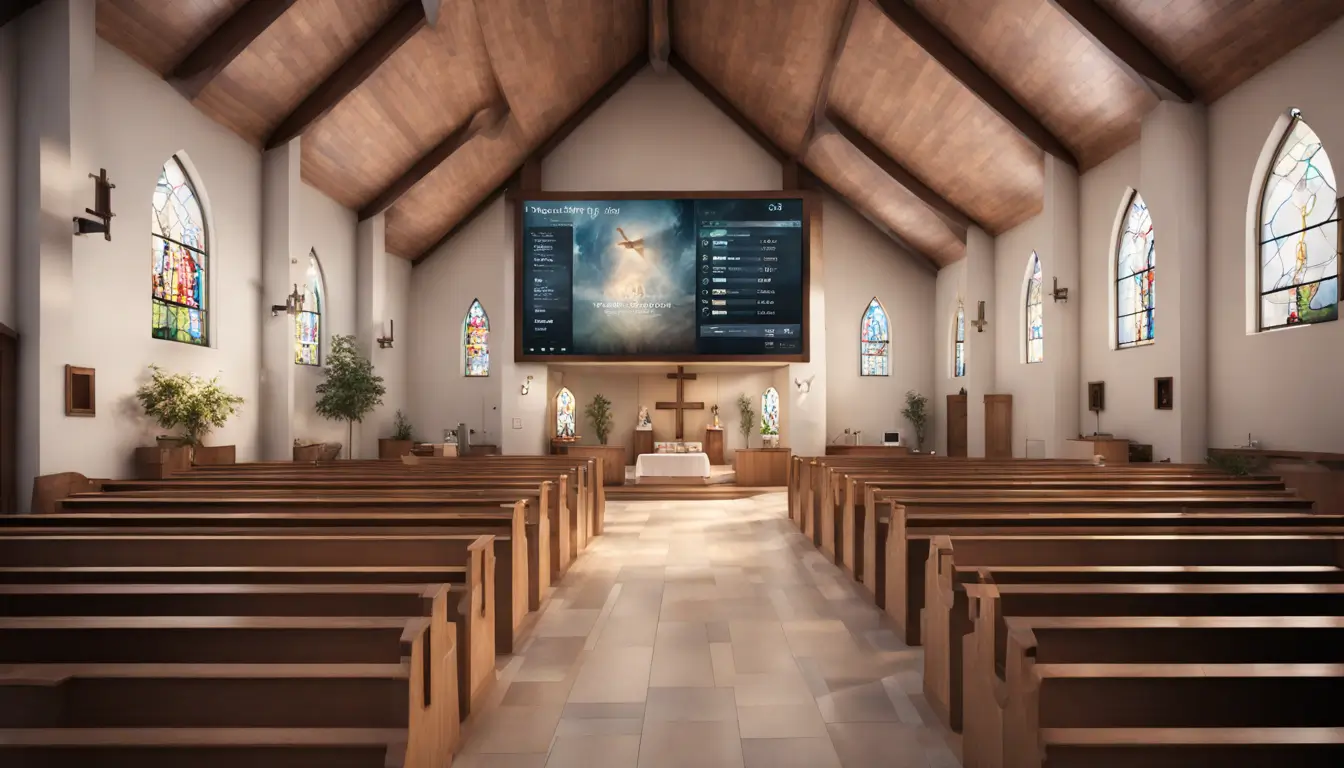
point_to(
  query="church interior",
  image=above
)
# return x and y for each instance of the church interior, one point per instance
(653, 383)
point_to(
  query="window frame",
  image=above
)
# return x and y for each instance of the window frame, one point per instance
(466, 335)
(886, 345)
(1033, 266)
(555, 423)
(204, 254)
(320, 290)
(1115, 261)
(959, 341)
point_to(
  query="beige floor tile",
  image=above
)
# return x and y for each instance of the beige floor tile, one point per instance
(790, 753)
(690, 745)
(570, 622)
(867, 703)
(514, 730)
(593, 751)
(866, 745)
(595, 726)
(628, 632)
(690, 704)
(500, 761)
(779, 721)
(531, 694)
(613, 675)
(628, 710)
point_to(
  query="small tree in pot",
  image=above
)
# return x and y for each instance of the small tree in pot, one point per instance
(599, 415)
(351, 389)
(917, 413)
(196, 405)
(400, 443)
(748, 418)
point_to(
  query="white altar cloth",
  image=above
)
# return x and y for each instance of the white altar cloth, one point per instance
(672, 465)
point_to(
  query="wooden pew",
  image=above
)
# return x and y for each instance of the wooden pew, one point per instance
(199, 683)
(466, 561)
(1144, 675)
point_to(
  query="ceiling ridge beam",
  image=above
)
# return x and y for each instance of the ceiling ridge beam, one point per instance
(976, 80)
(660, 35)
(357, 67)
(486, 119)
(822, 103)
(561, 132)
(955, 219)
(222, 46)
(1126, 50)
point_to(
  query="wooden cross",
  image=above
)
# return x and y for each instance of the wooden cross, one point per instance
(680, 406)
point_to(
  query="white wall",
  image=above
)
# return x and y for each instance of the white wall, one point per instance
(9, 110)
(1277, 386)
(327, 227)
(862, 263)
(1030, 384)
(141, 123)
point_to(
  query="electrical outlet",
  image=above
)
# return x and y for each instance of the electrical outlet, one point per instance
(517, 423)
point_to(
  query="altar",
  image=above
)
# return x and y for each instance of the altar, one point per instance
(672, 469)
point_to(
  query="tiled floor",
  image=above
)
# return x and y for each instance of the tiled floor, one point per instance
(709, 635)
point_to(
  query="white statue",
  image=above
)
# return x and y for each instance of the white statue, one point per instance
(715, 411)
(645, 423)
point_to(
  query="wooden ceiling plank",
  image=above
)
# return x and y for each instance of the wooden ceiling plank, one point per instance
(403, 24)
(725, 106)
(484, 120)
(660, 36)
(208, 59)
(1126, 50)
(809, 180)
(970, 75)
(465, 221)
(14, 9)
(955, 219)
(818, 120)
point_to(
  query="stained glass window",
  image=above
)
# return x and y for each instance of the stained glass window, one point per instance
(959, 346)
(1299, 233)
(770, 412)
(308, 323)
(874, 341)
(564, 413)
(1035, 311)
(1135, 275)
(179, 254)
(476, 341)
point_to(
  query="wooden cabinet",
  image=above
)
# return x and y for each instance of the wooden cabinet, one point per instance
(643, 442)
(867, 450)
(714, 446)
(161, 462)
(998, 426)
(1113, 449)
(762, 467)
(956, 425)
(612, 456)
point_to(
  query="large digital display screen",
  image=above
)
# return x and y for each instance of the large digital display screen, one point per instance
(662, 279)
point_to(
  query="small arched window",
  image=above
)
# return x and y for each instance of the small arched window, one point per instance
(770, 412)
(874, 341)
(181, 253)
(564, 413)
(1035, 311)
(308, 323)
(959, 343)
(476, 341)
(1135, 276)
(1298, 233)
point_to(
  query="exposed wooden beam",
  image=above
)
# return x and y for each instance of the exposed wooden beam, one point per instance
(1126, 50)
(725, 106)
(357, 68)
(13, 9)
(487, 119)
(809, 180)
(208, 59)
(975, 79)
(660, 36)
(820, 106)
(955, 219)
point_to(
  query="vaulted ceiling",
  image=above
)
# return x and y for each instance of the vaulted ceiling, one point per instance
(926, 115)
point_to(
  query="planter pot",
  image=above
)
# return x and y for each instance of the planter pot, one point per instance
(393, 449)
(769, 441)
(214, 454)
(161, 461)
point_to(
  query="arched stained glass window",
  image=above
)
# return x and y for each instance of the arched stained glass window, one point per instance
(770, 412)
(1299, 233)
(959, 345)
(308, 323)
(180, 255)
(1035, 311)
(476, 340)
(1135, 275)
(564, 413)
(874, 341)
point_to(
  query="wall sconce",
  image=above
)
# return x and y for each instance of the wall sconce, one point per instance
(102, 214)
(385, 342)
(527, 386)
(980, 322)
(1060, 294)
(293, 304)
(804, 385)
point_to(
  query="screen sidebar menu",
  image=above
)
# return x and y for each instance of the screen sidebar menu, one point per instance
(548, 294)
(748, 283)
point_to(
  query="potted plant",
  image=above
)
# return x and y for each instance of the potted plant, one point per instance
(192, 404)
(917, 413)
(599, 415)
(400, 443)
(748, 416)
(350, 389)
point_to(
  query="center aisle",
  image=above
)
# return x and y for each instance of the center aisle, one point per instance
(709, 635)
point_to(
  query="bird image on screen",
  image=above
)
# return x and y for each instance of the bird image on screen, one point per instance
(635, 245)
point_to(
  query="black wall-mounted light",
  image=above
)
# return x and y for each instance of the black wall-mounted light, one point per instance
(293, 304)
(1060, 294)
(980, 322)
(385, 342)
(102, 214)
